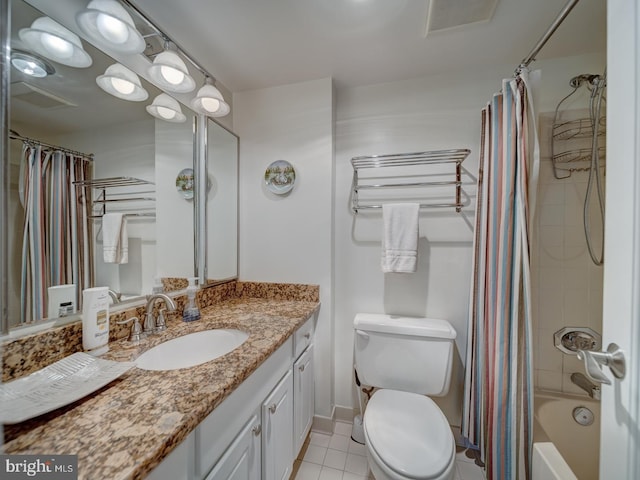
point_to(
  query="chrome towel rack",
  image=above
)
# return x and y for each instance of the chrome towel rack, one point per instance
(119, 196)
(405, 170)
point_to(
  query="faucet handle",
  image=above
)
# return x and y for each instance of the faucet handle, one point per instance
(612, 358)
(161, 324)
(136, 330)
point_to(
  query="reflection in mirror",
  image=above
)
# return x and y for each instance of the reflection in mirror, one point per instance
(66, 108)
(222, 204)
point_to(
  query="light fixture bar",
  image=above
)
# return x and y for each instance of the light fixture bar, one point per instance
(153, 26)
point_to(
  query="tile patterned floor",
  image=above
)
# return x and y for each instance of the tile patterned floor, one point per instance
(337, 457)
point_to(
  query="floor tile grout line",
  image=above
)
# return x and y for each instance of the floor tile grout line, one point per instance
(461, 458)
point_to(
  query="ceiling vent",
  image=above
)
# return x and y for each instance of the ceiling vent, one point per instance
(447, 14)
(37, 96)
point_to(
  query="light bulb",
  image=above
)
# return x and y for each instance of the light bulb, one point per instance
(29, 67)
(210, 104)
(123, 86)
(167, 113)
(112, 29)
(172, 75)
(57, 46)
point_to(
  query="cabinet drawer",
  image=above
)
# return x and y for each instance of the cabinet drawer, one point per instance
(303, 337)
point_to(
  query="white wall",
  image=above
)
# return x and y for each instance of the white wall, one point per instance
(416, 115)
(289, 238)
(438, 112)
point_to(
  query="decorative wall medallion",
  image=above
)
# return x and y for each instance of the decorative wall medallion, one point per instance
(280, 177)
(184, 183)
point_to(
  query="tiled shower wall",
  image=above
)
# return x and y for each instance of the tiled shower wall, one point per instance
(567, 285)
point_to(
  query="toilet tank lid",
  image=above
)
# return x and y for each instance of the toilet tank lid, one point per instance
(419, 326)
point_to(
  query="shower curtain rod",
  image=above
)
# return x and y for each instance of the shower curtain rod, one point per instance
(547, 35)
(16, 136)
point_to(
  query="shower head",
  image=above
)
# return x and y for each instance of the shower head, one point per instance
(578, 80)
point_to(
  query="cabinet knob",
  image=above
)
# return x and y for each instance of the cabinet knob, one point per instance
(301, 368)
(307, 335)
(272, 408)
(257, 430)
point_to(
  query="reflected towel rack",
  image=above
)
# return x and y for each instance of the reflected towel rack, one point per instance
(401, 179)
(103, 184)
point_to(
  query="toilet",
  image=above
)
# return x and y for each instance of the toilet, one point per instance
(406, 435)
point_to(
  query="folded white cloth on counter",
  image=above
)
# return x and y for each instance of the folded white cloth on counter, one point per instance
(400, 237)
(115, 238)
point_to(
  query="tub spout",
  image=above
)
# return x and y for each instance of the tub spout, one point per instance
(587, 385)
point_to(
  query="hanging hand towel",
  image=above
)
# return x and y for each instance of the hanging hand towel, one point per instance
(400, 237)
(115, 238)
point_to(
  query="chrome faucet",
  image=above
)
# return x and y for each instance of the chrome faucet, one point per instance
(115, 297)
(150, 320)
(587, 385)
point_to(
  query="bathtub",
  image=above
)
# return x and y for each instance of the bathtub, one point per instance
(562, 448)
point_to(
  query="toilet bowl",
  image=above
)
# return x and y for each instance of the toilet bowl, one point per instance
(408, 437)
(409, 360)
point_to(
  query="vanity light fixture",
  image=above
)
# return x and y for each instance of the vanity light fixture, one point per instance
(109, 25)
(30, 64)
(209, 100)
(170, 73)
(53, 41)
(121, 82)
(166, 108)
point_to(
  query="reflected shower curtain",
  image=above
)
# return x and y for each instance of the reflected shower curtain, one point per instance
(498, 400)
(56, 246)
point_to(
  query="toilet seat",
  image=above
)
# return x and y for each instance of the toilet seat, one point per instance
(409, 435)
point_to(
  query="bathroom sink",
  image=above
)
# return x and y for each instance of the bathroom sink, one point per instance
(191, 350)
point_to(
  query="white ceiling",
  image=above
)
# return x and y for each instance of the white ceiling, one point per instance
(249, 44)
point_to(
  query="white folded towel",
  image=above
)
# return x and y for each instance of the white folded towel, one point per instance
(115, 238)
(400, 237)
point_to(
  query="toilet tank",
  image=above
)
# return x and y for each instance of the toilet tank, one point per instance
(404, 353)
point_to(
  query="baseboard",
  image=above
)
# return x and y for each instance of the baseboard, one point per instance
(323, 424)
(344, 414)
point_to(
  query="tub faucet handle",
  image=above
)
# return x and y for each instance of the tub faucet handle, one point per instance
(612, 358)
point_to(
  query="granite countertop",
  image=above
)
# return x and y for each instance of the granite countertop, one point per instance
(127, 428)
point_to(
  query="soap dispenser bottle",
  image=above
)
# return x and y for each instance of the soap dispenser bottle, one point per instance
(191, 311)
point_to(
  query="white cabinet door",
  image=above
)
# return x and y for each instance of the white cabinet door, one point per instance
(179, 464)
(241, 461)
(303, 397)
(277, 431)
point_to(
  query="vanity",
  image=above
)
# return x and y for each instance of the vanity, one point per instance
(246, 412)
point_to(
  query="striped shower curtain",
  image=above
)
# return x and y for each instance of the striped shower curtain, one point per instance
(498, 413)
(56, 243)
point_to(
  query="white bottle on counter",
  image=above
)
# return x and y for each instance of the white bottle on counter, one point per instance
(95, 320)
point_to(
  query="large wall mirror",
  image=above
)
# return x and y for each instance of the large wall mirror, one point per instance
(222, 204)
(66, 108)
